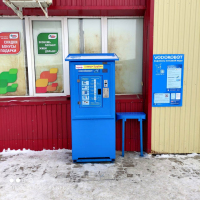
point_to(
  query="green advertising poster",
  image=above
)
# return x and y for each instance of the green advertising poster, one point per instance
(47, 43)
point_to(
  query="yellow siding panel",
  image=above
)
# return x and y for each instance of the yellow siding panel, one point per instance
(177, 31)
(181, 47)
(194, 58)
(176, 135)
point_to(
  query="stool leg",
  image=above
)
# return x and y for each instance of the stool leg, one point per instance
(123, 127)
(141, 139)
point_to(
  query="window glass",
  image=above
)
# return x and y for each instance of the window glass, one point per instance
(74, 35)
(84, 35)
(125, 38)
(13, 70)
(47, 42)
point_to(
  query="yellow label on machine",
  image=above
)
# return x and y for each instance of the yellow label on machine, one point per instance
(89, 66)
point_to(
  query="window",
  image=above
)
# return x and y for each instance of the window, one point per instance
(48, 56)
(125, 38)
(84, 35)
(13, 80)
(39, 69)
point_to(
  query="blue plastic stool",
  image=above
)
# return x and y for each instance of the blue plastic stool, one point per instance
(132, 115)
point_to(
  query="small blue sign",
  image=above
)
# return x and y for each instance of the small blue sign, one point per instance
(167, 84)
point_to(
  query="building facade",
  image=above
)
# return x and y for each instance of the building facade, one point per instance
(35, 97)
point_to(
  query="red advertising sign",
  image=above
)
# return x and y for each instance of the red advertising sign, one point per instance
(9, 43)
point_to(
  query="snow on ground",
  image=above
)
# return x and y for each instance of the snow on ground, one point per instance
(52, 175)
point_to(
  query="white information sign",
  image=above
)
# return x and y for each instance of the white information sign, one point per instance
(173, 77)
(162, 98)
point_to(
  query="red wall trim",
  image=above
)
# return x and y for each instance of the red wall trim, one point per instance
(58, 100)
(85, 8)
(35, 127)
(48, 126)
(147, 71)
(23, 101)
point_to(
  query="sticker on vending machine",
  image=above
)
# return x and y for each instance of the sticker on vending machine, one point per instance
(85, 97)
(85, 88)
(85, 82)
(85, 92)
(86, 103)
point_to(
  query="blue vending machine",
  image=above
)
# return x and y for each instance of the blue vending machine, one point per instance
(92, 88)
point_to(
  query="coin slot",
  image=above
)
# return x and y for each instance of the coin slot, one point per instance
(99, 91)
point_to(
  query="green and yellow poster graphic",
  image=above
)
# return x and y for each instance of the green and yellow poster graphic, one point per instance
(47, 43)
(6, 78)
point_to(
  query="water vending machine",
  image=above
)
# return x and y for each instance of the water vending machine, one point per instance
(92, 89)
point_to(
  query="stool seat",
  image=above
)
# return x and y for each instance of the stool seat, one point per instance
(131, 115)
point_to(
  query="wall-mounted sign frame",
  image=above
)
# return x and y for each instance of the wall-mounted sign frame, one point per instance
(9, 43)
(167, 86)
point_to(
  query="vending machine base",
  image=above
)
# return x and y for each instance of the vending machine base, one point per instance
(94, 140)
(93, 160)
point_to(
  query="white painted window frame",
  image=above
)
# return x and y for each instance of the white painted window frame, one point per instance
(31, 61)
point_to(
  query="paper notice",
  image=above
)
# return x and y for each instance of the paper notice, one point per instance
(161, 98)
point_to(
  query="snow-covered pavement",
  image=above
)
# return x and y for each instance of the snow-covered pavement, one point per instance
(52, 175)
